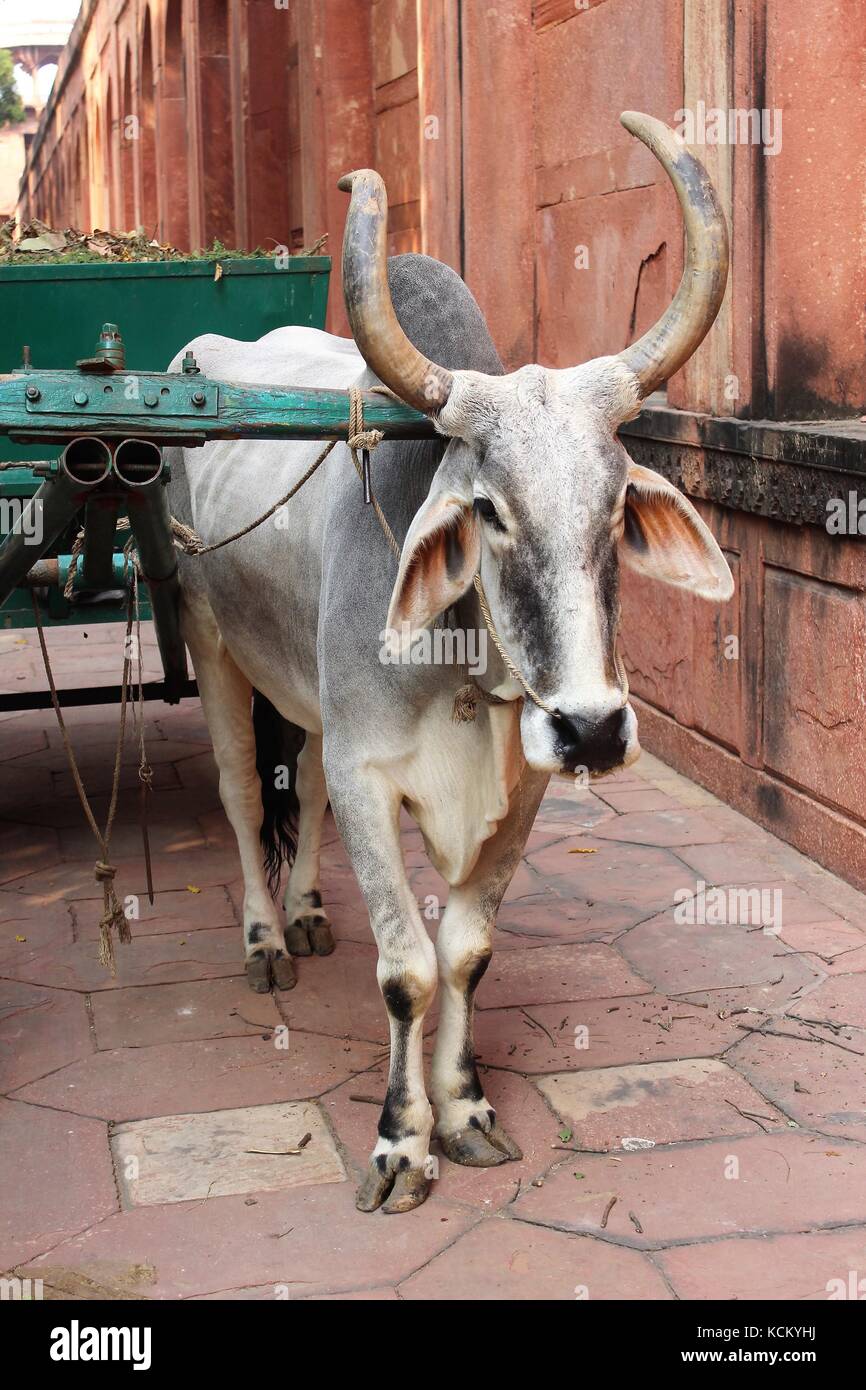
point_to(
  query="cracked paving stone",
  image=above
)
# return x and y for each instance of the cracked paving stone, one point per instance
(509, 1260)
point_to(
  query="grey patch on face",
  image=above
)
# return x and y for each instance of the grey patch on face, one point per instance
(525, 593)
(607, 589)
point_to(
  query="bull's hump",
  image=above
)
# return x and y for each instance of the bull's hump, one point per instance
(291, 356)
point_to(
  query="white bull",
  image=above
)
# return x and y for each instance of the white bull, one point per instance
(534, 494)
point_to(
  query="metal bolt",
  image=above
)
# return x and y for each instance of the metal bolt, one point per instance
(81, 398)
(151, 398)
(189, 364)
(33, 393)
(198, 398)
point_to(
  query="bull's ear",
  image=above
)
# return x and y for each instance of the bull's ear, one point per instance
(440, 556)
(665, 538)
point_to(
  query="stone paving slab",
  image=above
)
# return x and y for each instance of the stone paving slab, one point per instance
(816, 1076)
(264, 1148)
(558, 972)
(58, 1179)
(599, 1033)
(41, 1030)
(839, 1001)
(602, 1018)
(145, 960)
(817, 1266)
(195, 1009)
(656, 1103)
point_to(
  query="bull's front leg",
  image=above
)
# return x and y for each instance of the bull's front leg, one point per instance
(366, 809)
(466, 1123)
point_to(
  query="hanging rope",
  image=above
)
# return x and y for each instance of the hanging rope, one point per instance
(113, 917)
(77, 547)
(190, 543)
(145, 771)
(365, 440)
(467, 697)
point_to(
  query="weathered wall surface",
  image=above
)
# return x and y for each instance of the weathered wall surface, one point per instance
(496, 129)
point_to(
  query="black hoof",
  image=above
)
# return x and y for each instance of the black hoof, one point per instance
(267, 968)
(309, 936)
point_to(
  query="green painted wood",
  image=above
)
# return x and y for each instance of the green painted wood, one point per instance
(116, 406)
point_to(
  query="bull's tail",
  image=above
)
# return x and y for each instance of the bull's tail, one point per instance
(278, 745)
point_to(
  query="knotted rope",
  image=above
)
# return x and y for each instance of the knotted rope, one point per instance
(77, 547)
(365, 440)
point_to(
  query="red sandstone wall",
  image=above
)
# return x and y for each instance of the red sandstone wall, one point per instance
(395, 99)
(774, 721)
(247, 113)
(496, 128)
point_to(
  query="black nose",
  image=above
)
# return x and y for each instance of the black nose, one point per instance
(596, 744)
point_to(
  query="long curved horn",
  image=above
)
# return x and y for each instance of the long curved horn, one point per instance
(382, 342)
(687, 320)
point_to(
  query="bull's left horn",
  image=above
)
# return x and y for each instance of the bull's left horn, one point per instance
(382, 342)
(687, 320)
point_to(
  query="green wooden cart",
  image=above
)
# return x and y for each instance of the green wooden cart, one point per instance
(54, 311)
(85, 443)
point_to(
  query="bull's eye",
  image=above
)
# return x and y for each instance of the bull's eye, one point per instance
(486, 510)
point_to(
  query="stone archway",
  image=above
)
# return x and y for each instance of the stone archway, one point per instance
(271, 36)
(148, 202)
(215, 135)
(173, 170)
(129, 136)
(96, 159)
(110, 160)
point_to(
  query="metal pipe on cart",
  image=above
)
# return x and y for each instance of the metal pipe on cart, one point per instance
(84, 464)
(139, 469)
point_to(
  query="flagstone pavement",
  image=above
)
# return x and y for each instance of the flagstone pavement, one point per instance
(684, 1068)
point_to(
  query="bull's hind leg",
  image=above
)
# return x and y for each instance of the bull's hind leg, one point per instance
(226, 697)
(466, 1123)
(367, 809)
(308, 930)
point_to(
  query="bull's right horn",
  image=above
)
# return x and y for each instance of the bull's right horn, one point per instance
(381, 341)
